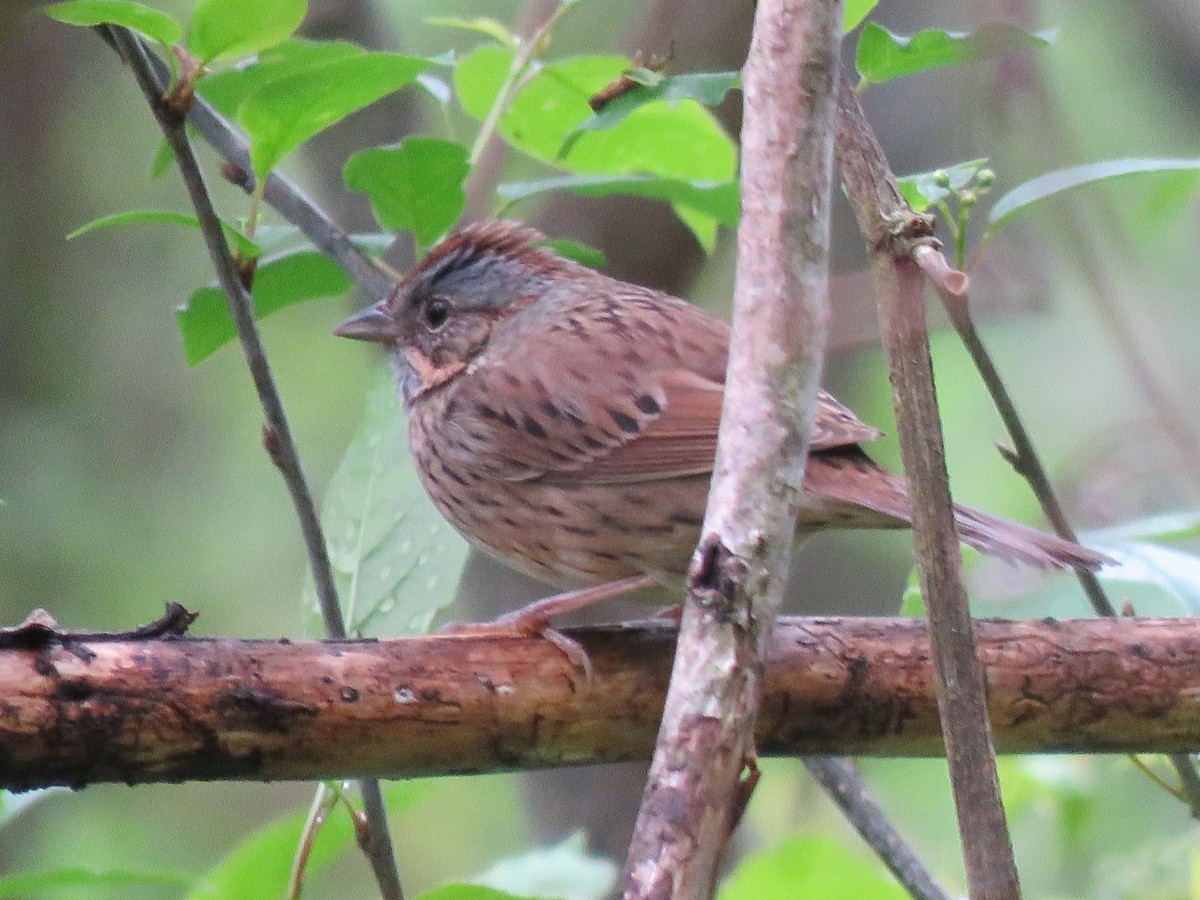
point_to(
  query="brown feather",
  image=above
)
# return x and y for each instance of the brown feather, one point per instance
(568, 421)
(659, 415)
(857, 484)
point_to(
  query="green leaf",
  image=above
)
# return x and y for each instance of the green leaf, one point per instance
(373, 243)
(151, 23)
(647, 141)
(923, 189)
(718, 200)
(280, 281)
(229, 29)
(414, 185)
(1175, 526)
(284, 113)
(564, 870)
(815, 867)
(1171, 574)
(1165, 201)
(1020, 198)
(883, 56)
(135, 217)
(707, 88)
(702, 226)
(437, 88)
(480, 25)
(163, 158)
(912, 601)
(478, 77)
(260, 866)
(227, 88)
(855, 12)
(269, 237)
(247, 248)
(554, 103)
(395, 559)
(25, 884)
(582, 253)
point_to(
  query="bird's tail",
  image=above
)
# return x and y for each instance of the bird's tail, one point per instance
(1018, 543)
(850, 478)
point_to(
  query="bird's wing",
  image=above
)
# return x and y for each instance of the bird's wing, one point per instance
(635, 398)
(682, 440)
(837, 425)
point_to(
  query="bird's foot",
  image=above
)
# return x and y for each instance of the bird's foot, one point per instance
(534, 620)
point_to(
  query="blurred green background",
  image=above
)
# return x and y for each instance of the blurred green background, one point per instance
(128, 479)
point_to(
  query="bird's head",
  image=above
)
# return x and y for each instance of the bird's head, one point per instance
(443, 314)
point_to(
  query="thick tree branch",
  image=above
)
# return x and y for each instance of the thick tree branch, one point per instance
(893, 233)
(695, 790)
(170, 710)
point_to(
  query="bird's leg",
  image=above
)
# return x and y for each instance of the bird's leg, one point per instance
(537, 615)
(534, 619)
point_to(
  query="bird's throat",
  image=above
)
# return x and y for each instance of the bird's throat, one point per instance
(429, 375)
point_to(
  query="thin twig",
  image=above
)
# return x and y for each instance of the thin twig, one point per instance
(893, 232)
(1073, 225)
(530, 45)
(280, 191)
(490, 151)
(277, 435)
(1024, 458)
(323, 801)
(705, 746)
(1092, 265)
(844, 784)
(952, 288)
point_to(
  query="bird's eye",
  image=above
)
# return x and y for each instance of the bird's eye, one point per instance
(437, 311)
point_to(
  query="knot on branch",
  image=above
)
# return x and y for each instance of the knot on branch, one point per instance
(903, 232)
(237, 176)
(717, 577)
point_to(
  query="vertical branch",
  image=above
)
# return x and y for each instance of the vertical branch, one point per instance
(277, 436)
(695, 794)
(893, 233)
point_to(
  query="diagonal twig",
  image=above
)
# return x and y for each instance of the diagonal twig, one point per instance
(844, 784)
(277, 436)
(952, 288)
(893, 232)
(280, 191)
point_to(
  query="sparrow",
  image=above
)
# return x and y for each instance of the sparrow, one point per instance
(565, 422)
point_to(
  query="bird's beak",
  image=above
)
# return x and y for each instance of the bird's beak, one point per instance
(370, 324)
